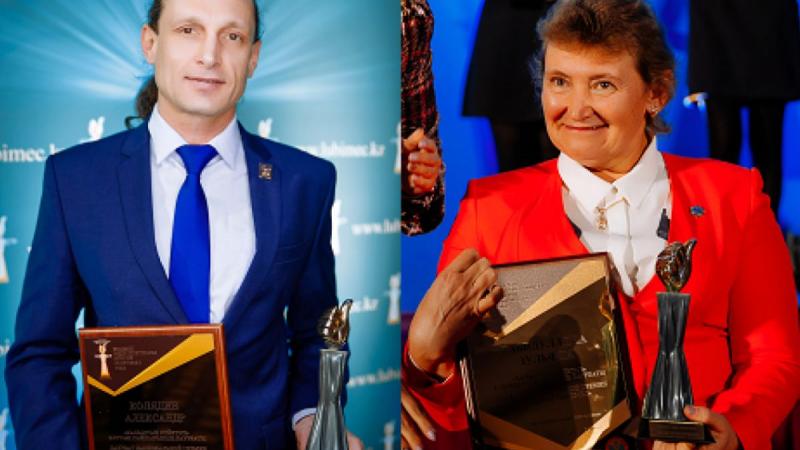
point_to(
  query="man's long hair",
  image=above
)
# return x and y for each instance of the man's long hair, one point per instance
(148, 93)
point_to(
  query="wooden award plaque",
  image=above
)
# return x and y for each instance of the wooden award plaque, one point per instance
(162, 387)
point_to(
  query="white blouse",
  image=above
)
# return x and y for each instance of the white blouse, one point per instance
(628, 218)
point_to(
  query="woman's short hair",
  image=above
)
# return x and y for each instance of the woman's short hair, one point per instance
(614, 25)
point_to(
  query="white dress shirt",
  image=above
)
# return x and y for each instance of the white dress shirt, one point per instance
(634, 205)
(230, 215)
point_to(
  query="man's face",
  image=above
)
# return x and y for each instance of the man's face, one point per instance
(203, 54)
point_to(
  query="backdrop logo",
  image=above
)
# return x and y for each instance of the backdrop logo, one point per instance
(5, 347)
(3, 432)
(341, 149)
(39, 154)
(11, 155)
(394, 299)
(96, 128)
(265, 128)
(4, 241)
(388, 435)
(336, 222)
(381, 376)
(364, 304)
(388, 226)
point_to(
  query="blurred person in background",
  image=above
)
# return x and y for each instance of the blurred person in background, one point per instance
(422, 171)
(499, 82)
(746, 54)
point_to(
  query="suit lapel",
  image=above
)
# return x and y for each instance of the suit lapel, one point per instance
(543, 229)
(137, 205)
(688, 213)
(265, 201)
(680, 227)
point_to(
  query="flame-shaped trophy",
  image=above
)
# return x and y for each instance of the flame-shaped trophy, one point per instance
(670, 389)
(328, 431)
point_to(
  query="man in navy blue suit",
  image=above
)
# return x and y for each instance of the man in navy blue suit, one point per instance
(187, 218)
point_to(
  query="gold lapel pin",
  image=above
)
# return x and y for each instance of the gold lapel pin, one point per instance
(265, 171)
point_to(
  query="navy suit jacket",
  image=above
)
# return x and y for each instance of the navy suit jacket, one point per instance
(94, 249)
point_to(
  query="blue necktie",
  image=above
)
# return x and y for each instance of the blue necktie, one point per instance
(190, 260)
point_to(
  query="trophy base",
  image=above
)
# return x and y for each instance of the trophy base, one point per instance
(675, 431)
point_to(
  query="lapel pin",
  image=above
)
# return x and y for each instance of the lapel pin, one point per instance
(697, 211)
(265, 171)
(663, 226)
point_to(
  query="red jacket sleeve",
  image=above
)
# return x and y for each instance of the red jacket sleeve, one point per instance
(444, 402)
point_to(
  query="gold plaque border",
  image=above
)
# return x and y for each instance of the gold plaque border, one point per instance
(493, 424)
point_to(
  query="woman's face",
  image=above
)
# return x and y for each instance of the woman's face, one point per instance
(595, 104)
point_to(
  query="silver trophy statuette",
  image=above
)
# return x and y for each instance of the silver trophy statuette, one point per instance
(674, 264)
(328, 431)
(670, 388)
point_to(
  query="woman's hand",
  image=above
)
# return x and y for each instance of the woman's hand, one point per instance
(414, 422)
(721, 430)
(421, 163)
(451, 308)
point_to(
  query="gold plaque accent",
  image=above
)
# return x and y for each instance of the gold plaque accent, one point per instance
(584, 274)
(193, 347)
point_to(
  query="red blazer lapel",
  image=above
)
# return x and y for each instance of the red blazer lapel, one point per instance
(541, 229)
(695, 215)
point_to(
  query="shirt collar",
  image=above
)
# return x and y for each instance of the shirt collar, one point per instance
(636, 184)
(589, 190)
(164, 140)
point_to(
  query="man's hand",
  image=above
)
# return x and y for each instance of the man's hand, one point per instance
(721, 430)
(451, 308)
(414, 422)
(421, 163)
(302, 430)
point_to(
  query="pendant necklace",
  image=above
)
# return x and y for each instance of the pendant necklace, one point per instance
(601, 221)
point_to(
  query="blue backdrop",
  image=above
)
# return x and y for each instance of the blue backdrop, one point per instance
(328, 82)
(468, 147)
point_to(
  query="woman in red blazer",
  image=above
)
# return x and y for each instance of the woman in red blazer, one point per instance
(607, 72)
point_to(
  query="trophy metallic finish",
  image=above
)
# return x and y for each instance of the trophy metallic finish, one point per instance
(670, 388)
(328, 431)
